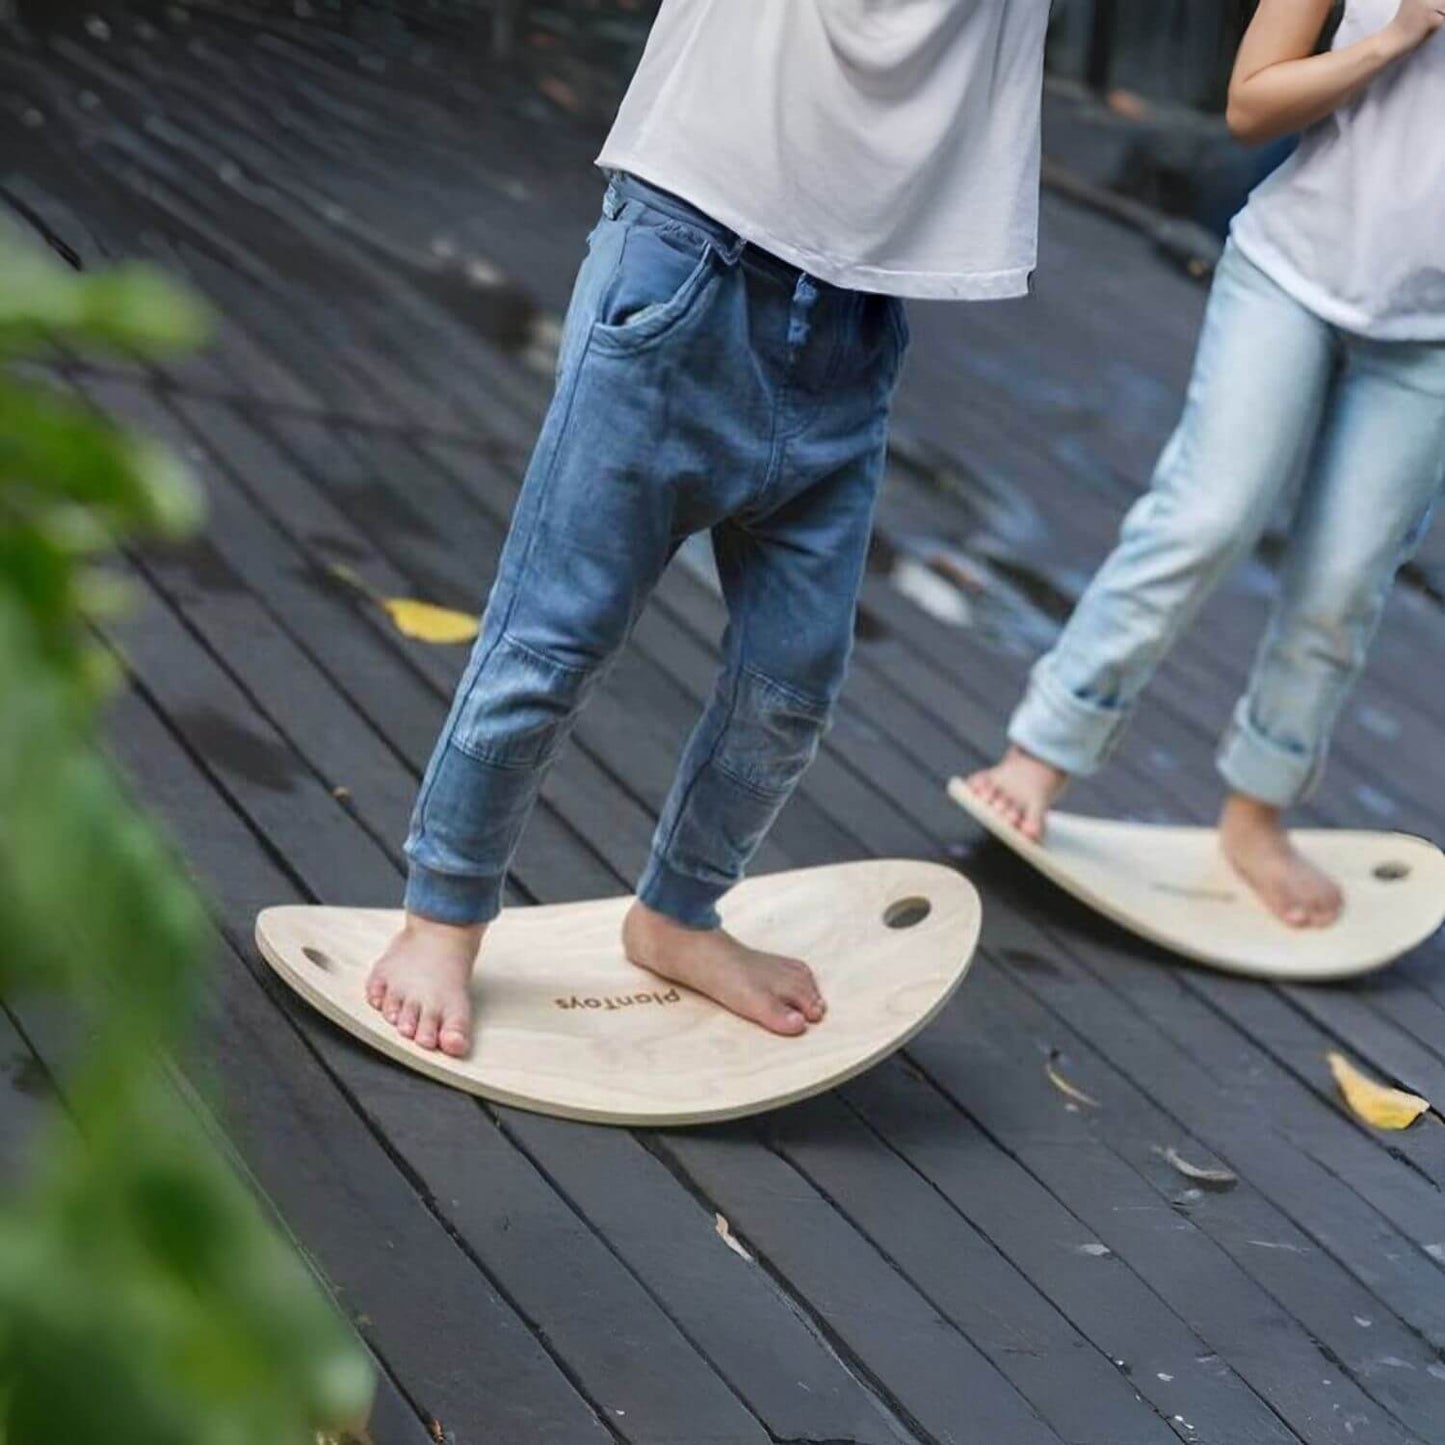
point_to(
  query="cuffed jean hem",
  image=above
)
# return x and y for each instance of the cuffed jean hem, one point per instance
(453, 898)
(690, 901)
(1063, 730)
(1253, 765)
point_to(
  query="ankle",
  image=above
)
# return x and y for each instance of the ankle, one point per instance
(1243, 814)
(1021, 756)
(645, 930)
(452, 936)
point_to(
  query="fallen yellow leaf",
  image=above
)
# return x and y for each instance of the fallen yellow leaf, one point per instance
(424, 621)
(1068, 1090)
(1376, 1104)
(428, 623)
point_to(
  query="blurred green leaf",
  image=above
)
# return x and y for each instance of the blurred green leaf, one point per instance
(132, 307)
(53, 451)
(144, 1299)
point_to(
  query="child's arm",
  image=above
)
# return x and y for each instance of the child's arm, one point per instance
(1280, 85)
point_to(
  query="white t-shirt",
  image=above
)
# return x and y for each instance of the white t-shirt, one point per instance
(1353, 224)
(879, 145)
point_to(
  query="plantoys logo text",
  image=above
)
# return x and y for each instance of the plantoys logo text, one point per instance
(627, 1000)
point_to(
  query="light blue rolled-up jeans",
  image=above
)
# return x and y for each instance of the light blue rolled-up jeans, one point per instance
(1278, 396)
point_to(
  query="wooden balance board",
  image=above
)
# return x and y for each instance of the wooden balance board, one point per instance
(1172, 886)
(565, 1025)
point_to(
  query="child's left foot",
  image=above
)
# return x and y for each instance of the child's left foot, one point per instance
(421, 985)
(779, 993)
(1288, 884)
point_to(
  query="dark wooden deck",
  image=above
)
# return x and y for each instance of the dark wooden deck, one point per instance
(946, 1250)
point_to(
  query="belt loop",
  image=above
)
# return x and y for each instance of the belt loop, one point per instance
(723, 240)
(800, 320)
(732, 251)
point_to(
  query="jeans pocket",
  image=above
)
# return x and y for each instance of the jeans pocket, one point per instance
(662, 273)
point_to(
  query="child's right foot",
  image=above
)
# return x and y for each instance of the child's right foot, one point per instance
(1022, 788)
(1258, 846)
(779, 993)
(422, 984)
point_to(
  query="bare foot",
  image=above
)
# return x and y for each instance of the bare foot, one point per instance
(421, 985)
(1023, 788)
(1289, 885)
(779, 993)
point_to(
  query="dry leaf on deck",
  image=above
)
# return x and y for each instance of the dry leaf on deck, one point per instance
(1068, 1090)
(560, 93)
(724, 1233)
(1210, 1178)
(1376, 1104)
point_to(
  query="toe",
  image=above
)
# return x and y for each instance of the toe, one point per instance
(806, 996)
(376, 989)
(783, 1018)
(428, 1029)
(392, 1005)
(408, 1019)
(455, 1039)
(455, 1035)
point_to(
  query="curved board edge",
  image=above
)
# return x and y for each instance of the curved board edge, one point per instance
(1043, 861)
(436, 1067)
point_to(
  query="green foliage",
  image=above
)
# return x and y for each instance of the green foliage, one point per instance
(143, 1296)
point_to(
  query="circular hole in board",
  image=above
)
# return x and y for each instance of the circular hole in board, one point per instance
(1392, 872)
(907, 912)
(316, 957)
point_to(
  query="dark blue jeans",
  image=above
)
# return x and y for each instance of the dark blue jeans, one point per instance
(702, 385)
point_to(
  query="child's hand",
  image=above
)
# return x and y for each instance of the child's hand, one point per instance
(1415, 22)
